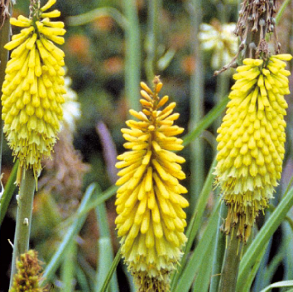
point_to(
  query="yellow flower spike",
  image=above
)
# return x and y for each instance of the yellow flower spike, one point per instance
(151, 220)
(251, 141)
(33, 89)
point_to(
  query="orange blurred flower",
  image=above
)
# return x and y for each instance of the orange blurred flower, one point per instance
(188, 64)
(113, 65)
(78, 45)
(103, 23)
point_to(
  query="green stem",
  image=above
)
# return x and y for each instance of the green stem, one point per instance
(68, 268)
(152, 39)
(219, 251)
(132, 54)
(87, 17)
(223, 79)
(105, 255)
(221, 92)
(231, 264)
(111, 271)
(24, 217)
(282, 10)
(196, 105)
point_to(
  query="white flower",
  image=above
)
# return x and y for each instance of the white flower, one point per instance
(221, 39)
(71, 107)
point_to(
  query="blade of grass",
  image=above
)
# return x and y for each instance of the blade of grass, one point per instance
(96, 202)
(288, 260)
(104, 263)
(88, 270)
(105, 255)
(82, 280)
(199, 254)
(68, 267)
(281, 257)
(278, 285)
(202, 280)
(69, 236)
(253, 271)
(282, 10)
(111, 271)
(259, 282)
(219, 251)
(205, 122)
(263, 237)
(273, 266)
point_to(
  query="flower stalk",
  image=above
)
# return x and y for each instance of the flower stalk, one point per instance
(151, 42)
(196, 105)
(24, 218)
(230, 269)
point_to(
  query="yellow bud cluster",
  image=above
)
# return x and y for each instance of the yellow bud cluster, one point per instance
(251, 140)
(149, 203)
(28, 273)
(33, 88)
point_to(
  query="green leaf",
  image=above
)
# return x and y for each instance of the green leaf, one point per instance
(202, 281)
(82, 280)
(111, 271)
(68, 268)
(253, 271)
(263, 237)
(205, 122)
(280, 284)
(219, 251)
(105, 254)
(69, 236)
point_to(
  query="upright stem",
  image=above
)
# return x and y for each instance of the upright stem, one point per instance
(231, 264)
(152, 39)
(196, 105)
(132, 54)
(24, 217)
(223, 79)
